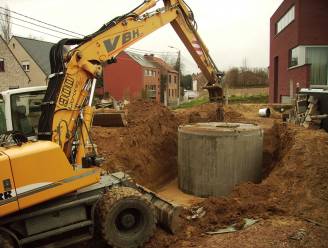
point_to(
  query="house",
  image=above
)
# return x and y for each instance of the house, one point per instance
(170, 80)
(33, 55)
(198, 81)
(132, 76)
(12, 74)
(298, 48)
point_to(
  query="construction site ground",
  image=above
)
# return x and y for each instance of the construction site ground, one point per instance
(290, 204)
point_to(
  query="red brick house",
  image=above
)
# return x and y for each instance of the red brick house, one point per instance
(298, 47)
(170, 80)
(132, 77)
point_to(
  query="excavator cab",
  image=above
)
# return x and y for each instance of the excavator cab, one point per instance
(21, 110)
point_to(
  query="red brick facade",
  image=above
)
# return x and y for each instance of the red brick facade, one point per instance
(309, 28)
(170, 91)
(129, 79)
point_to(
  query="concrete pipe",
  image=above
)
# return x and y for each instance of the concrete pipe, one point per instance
(214, 157)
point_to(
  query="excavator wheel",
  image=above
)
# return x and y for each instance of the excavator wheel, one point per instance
(6, 241)
(126, 218)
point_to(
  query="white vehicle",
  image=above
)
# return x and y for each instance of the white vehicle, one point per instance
(190, 94)
(20, 110)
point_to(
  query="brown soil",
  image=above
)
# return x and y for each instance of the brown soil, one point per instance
(146, 149)
(291, 201)
(293, 194)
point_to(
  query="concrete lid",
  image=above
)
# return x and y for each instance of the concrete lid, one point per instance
(219, 128)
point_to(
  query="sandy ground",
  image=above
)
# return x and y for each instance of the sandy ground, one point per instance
(290, 204)
(172, 193)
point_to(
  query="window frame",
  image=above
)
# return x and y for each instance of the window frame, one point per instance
(13, 100)
(26, 65)
(290, 57)
(2, 65)
(285, 20)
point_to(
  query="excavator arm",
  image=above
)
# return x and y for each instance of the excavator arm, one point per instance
(66, 115)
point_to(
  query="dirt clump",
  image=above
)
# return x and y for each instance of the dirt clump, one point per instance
(207, 113)
(146, 149)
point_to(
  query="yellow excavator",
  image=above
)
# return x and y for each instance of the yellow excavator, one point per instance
(52, 190)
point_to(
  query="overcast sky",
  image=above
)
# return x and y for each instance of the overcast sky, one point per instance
(232, 29)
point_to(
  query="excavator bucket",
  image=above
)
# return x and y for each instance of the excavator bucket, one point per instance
(215, 93)
(109, 118)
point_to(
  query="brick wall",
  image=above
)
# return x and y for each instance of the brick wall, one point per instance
(300, 75)
(279, 47)
(13, 75)
(172, 87)
(36, 75)
(153, 81)
(308, 28)
(313, 27)
(123, 79)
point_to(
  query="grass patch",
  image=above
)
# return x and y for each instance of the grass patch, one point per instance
(262, 98)
(249, 99)
(193, 103)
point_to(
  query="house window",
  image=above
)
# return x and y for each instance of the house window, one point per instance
(293, 57)
(285, 20)
(317, 57)
(26, 65)
(169, 78)
(2, 65)
(175, 79)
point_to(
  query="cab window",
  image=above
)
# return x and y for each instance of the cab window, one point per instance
(26, 111)
(3, 126)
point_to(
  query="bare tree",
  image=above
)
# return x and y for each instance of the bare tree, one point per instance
(5, 24)
(244, 65)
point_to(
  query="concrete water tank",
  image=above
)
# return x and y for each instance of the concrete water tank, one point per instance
(214, 157)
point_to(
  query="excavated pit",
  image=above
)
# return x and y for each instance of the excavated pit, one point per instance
(293, 191)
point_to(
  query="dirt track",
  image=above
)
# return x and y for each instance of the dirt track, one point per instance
(291, 202)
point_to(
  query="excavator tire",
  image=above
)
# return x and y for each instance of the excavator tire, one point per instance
(126, 218)
(6, 241)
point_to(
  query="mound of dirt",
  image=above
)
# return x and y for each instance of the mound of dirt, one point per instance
(208, 113)
(146, 149)
(295, 188)
(292, 195)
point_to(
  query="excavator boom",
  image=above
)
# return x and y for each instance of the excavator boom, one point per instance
(62, 111)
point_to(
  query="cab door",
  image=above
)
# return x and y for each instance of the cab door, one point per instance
(8, 198)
